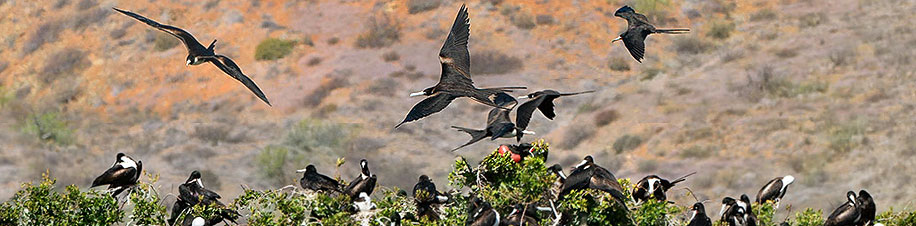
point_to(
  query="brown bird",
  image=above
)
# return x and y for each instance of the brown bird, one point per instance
(638, 28)
(589, 175)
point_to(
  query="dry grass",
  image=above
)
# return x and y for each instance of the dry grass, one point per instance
(418, 6)
(606, 117)
(494, 63)
(382, 31)
(323, 90)
(63, 63)
(618, 64)
(575, 135)
(691, 45)
(721, 29)
(626, 143)
(391, 56)
(44, 33)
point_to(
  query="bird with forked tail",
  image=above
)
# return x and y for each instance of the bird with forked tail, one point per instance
(638, 28)
(198, 54)
(455, 80)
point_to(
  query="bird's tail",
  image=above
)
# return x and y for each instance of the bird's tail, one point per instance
(675, 181)
(672, 30)
(476, 135)
(212, 45)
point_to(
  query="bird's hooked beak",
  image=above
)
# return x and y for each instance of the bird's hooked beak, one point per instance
(522, 97)
(300, 171)
(418, 93)
(528, 132)
(616, 39)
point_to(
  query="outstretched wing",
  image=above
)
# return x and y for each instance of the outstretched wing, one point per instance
(189, 41)
(634, 40)
(454, 56)
(230, 68)
(428, 106)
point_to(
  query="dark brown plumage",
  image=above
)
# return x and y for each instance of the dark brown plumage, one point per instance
(638, 28)
(590, 175)
(315, 181)
(540, 100)
(455, 79)
(364, 183)
(655, 187)
(846, 214)
(499, 125)
(123, 174)
(198, 54)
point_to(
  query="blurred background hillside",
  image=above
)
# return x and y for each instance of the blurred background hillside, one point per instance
(820, 89)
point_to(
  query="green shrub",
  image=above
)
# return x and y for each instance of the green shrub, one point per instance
(49, 127)
(721, 29)
(311, 135)
(272, 161)
(626, 143)
(273, 48)
(764, 213)
(809, 217)
(41, 205)
(503, 183)
(891, 218)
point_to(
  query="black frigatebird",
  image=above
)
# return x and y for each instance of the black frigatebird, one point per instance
(198, 54)
(638, 28)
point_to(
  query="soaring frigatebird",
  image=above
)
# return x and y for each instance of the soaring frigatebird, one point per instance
(638, 28)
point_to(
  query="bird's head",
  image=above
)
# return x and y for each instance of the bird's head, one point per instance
(195, 176)
(624, 10)
(424, 178)
(851, 196)
(425, 92)
(308, 169)
(364, 166)
(864, 196)
(698, 207)
(119, 157)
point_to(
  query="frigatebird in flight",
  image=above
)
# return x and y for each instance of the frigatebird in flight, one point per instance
(455, 80)
(198, 54)
(540, 100)
(638, 28)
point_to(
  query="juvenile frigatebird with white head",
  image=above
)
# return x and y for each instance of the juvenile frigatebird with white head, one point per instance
(364, 183)
(774, 190)
(655, 187)
(198, 54)
(849, 213)
(123, 174)
(455, 80)
(638, 28)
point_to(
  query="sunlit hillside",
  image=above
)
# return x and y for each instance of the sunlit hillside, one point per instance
(819, 89)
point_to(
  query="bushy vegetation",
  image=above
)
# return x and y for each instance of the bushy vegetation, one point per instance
(497, 179)
(273, 48)
(626, 143)
(418, 6)
(49, 127)
(382, 32)
(494, 62)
